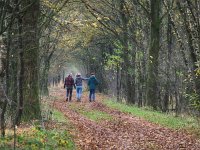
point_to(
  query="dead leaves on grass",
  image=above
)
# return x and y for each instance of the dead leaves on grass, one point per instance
(122, 132)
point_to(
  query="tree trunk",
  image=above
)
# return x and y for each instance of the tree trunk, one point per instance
(124, 40)
(118, 84)
(21, 74)
(5, 103)
(168, 68)
(193, 55)
(31, 107)
(152, 94)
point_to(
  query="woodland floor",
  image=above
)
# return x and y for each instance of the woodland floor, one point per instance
(121, 131)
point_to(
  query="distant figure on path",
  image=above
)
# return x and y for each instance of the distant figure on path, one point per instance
(69, 84)
(92, 83)
(79, 86)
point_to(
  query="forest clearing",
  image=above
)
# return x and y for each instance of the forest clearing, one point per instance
(100, 74)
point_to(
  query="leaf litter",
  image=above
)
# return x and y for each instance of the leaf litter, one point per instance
(123, 132)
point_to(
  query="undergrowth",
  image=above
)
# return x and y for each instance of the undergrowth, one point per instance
(36, 138)
(167, 120)
(49, 134)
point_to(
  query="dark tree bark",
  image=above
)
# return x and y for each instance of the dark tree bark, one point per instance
(191, 44)
(5, 103)
(168, 67)
(126, 66)
(30, 39)
(152, 95)
(118, 84)
(21, 74)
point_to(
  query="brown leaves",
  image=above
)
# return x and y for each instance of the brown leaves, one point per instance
(122, 132)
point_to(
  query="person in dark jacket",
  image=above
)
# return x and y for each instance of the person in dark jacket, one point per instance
(79, 86)
(92, 83)
(69, 84)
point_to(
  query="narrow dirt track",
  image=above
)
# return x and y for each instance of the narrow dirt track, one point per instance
(123, 132)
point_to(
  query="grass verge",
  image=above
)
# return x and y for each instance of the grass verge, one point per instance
(166, 120)
(58, 116)
(35, 138)
(94, 115)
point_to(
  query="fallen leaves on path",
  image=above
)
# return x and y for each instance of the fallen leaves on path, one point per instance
(123, 132)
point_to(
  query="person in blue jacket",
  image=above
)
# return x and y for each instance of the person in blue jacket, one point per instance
(92, 83)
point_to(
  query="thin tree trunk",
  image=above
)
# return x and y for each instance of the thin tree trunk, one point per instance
(3, 126)
(169, 43)
(21, 74)
(128, 79)
(118, 84)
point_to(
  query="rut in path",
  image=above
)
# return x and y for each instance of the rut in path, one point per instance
(123, 132)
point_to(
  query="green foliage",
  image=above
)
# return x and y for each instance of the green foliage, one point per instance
(154, 116)
(114, 60)
(139, 55)
(36, 139)
(194, 100)
(180, 73)
(197, 71)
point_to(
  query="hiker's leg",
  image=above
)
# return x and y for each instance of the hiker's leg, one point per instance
(77, 92)
(70, 94)
(67, 94)
(80, 92)
(90, 95)
(93, 94)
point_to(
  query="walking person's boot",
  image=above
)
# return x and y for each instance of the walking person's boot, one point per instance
(70, 98)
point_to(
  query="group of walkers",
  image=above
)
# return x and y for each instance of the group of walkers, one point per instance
(77, 83)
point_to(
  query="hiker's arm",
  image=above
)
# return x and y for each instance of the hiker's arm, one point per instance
(97, 81)
(85, 78)
(74, 84)
(64, 83)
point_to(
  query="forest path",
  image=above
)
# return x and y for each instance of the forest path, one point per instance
(117, 131)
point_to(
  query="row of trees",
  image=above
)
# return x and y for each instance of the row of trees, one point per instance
(148, 49)
(145, 52)
(26, 51)
(20, 51)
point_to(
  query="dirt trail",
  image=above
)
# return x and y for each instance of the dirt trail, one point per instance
(122, 132)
